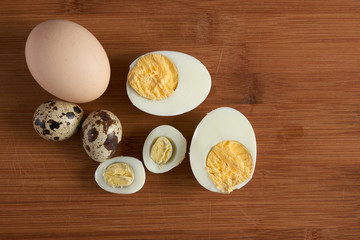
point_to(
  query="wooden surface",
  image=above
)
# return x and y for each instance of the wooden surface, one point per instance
(291, 67)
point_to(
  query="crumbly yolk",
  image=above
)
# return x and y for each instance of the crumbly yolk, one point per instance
(154, 76)
(228, 164)
(119, 175)
(161, 150)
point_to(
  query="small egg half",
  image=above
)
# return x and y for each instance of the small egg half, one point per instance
(223, 127)
(191, 87)
(122, 175)
(164, 149)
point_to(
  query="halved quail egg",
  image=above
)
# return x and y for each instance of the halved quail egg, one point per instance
(123, 175)
(164, 149)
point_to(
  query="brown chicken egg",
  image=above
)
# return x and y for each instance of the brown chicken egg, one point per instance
(101, 135)
(67, 61)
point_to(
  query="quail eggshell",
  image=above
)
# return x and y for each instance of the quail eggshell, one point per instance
(57, 120)
(178, 142)
(101, 135)
(221, 124)
(67, 61)
(139, 175)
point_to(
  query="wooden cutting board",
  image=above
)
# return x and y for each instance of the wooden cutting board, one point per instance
(291, 67)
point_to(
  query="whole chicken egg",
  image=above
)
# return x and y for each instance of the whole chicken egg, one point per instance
(167, 83)
(164, 149)
(123, 175)
(101, 135)
(223, 151)
(67, 61)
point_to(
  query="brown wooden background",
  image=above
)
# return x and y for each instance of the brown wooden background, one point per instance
(292, 67)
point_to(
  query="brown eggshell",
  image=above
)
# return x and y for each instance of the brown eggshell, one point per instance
(67, 61)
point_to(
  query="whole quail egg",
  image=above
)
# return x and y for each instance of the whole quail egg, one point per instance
(57, 120)
(164, 149)
(122, 175)
(101, 135)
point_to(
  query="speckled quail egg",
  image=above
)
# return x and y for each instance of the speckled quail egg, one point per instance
(167, 83)
(101, 135)
(223, 151)
(123, 175)
(57, 120)
(164, 149)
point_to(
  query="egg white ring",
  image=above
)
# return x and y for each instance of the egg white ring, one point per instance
(193, 87)
(175, 137)
(139, 175)
(226, 124)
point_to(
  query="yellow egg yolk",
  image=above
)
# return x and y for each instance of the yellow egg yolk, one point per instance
(119, 175)
(228, 164)
(161, 150)
(154, 76)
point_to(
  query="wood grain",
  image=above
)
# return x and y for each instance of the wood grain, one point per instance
(291, 67)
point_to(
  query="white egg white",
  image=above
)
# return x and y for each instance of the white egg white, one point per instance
(139, 175)
(219, 125)
(179, 148)
(193, 87)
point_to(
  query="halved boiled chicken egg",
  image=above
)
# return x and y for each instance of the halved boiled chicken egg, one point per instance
(167, 83)
(223, 151)
(164, 149)
(123, 175)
